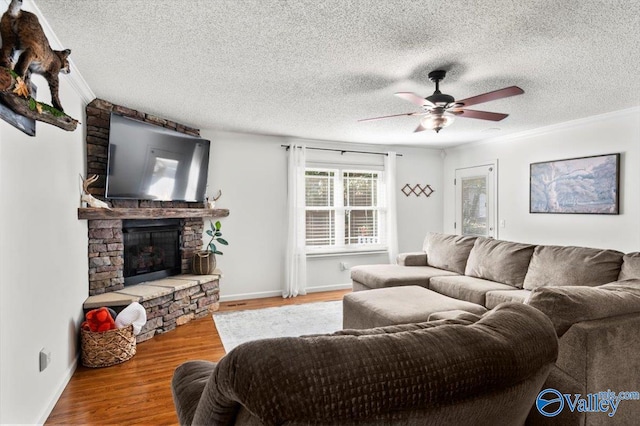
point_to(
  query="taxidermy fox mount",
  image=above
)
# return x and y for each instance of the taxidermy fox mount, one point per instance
(21, 30)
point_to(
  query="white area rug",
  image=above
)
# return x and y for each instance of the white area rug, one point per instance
(238, 327)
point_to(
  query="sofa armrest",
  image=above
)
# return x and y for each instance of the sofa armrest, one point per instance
(187, 385)
(601, 355)
(412, 259)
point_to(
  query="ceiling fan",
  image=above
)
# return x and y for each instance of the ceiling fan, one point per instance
(440, 109)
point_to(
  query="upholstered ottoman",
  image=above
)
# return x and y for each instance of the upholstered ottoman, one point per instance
(398, 305)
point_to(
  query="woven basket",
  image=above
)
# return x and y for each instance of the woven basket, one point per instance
(102, 349)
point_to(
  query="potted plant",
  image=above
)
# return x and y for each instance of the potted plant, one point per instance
(204, 261)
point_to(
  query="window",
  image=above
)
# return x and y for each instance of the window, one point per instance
(344, 210)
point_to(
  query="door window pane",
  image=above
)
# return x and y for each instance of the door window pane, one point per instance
(474, 206)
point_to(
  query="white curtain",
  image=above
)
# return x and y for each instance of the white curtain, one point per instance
(392, 219)
(296, 261)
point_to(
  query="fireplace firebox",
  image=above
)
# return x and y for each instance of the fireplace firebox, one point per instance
(151, 249)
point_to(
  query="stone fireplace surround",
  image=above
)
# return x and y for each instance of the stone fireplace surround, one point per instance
(171, 301)
(106, 252)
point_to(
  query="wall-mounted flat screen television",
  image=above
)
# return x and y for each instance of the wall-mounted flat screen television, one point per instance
(148, 162)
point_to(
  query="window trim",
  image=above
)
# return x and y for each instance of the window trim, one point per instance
(340, 170)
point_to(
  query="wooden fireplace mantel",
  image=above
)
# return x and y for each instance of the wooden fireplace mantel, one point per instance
(148, 213)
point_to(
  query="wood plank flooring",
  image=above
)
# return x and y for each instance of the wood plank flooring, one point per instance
(139, 390)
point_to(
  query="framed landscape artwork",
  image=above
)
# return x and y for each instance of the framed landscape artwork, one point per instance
(587, 185)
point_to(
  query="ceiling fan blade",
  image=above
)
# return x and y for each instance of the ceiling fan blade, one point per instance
(390, 116)
(413, 98)
(482, 115)
(492, 96)
(419, 128)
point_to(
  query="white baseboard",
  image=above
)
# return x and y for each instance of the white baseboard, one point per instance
(244, 296)
(61, 388)
(275, 293)
(332, 287)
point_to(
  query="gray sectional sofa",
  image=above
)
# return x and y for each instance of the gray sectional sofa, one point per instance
(379, 376)
(592, 297)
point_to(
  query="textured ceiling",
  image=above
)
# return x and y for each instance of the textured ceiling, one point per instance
(311, 69)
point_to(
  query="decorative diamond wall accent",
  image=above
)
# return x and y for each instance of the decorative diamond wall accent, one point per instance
(417, 190)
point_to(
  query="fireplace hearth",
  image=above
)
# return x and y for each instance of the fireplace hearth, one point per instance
(151, 250)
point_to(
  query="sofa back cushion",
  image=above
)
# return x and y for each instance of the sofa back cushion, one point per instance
(570, 266)
(449, 252)
(566, 306)
(501, 261)
(630, 266)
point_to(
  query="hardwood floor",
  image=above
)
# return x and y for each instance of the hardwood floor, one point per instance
(139, 391)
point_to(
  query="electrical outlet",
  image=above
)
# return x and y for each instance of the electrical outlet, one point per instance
(344, 266)
(45, 359)
(503, 223)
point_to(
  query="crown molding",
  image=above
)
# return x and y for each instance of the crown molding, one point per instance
(74, 78)
(555, 127)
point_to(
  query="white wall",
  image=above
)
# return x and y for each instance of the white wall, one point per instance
(606, 134)
(251, 170)
(43, 260)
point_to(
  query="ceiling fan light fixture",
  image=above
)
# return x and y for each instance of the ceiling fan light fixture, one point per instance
(440, 109)
(436, 122)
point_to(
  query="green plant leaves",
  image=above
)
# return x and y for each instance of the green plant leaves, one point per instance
(216, 236)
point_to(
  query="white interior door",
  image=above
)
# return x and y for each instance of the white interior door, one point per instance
(476, 206)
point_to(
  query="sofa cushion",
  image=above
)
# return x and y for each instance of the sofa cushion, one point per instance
(566, 306)
(401, 305)
(495, 297)
(501, 261)
(630, 266)
(380, 276)
(572, 266)
(456, 314)
(449, 252)
(466, 288)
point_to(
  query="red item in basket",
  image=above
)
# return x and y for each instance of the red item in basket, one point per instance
(99, 320)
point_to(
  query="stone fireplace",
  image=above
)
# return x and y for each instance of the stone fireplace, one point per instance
(109, 270)
(141, 251)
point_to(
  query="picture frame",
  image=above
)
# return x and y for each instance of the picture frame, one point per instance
(20, 122)
(583, 185)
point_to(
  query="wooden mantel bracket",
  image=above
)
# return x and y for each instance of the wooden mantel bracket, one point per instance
(23, 106)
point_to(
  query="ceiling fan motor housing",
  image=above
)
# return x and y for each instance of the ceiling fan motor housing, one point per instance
(439, 98)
